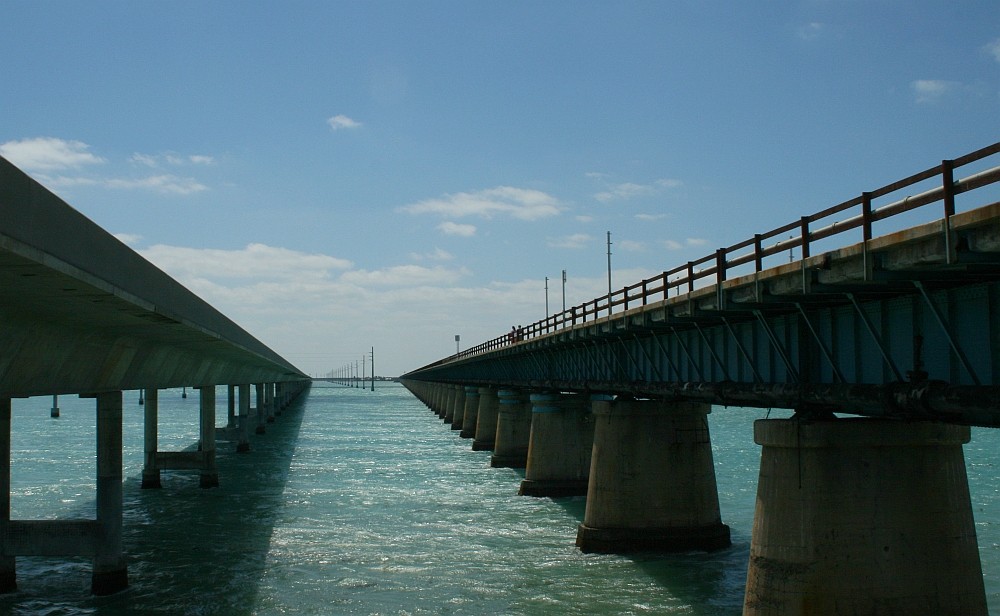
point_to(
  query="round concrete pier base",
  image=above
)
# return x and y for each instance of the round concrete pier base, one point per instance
(8, 582)
(562, 437)
(151, 481)
(652, 480)
(863, 516)
(513, 431)
(471, 414)
(209, 480)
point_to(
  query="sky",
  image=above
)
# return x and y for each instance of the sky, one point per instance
(342, 176)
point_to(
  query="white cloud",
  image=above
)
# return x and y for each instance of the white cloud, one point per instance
(255, 261)
(631, 190)
(437, 254)
(932, 90)
(672, 245)
(993, 48)
(650, 217)
(159, 160)
(631, 246)
(454, 228)
(340, 121)
(577, 240)
(170, 184)
(48, 154)
(810, 31)
(696, 241)
(519, 203)
(584, 218)
(405, 276)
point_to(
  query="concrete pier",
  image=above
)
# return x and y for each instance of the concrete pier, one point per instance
(243, 423)
(863, 516)
(560, 446)
(110, 572)
(261, 409)
(458, 407)
(8, 577)
(513, 433)
(209, 473)
(150, 470)
(230, 407)
(448, 400)
(471, 413)
(486, 423)
(652, 480)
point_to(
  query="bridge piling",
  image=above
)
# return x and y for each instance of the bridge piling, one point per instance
(261, 409)
(486, 424)
(458, 407)
(8, 578)
(150, 470)
(448, 402)
(513, 432)
(110, 571)
(471, 413)
(861, 516)
(560, 445)
(209, 473)
(243, 445)
(652, 479)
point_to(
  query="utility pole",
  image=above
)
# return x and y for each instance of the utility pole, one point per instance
(546, 297)
(564, 289)
(373, 368)
(364, 358)
(609, 273)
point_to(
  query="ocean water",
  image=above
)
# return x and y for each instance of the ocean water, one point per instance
(360, 502)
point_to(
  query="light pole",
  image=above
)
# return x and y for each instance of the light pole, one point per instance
(564, 289)
(457, 338)
(609, 272)
(546, 297)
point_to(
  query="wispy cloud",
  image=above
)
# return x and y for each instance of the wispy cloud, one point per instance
(691, 242)
(167, 184)
(518, 203)
(253, 261)
(156, 161)
(454, 228)
(341, 121)
(406, 276)
(577, 240)
(810, 31)
(929, 91)
(631, 246)
(437, 254)
(632, 190)
(650, 217)
(993, 49)
(48, 154)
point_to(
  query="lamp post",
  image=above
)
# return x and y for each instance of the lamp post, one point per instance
(564, 289)
(457, 338)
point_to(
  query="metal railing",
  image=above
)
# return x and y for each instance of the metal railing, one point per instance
(693, 274)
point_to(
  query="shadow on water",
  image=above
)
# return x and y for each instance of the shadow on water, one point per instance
(175, 537)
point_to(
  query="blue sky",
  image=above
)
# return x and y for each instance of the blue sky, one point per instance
(341, 175)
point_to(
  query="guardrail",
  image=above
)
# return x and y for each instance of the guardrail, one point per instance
(753, 251)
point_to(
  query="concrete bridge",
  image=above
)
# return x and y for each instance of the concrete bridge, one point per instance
(883, 337)
(84, 314)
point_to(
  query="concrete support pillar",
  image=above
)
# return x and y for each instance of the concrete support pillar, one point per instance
(151, 409)
(560, 446)
(269, 401)
(209, 473)
(862, 516)
(280, 400)
(243, 445)
(110, 573)
(230, 407)
(471, 413)
(261, 411)
(458, 407)
(54, 412)
(652, 480)
(449, 403)
(486, 424)
(510, 448)
(8, 577)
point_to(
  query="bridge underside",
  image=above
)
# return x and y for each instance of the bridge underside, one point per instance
(904, 325)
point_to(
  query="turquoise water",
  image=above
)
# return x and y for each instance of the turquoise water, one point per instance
(360, 502)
